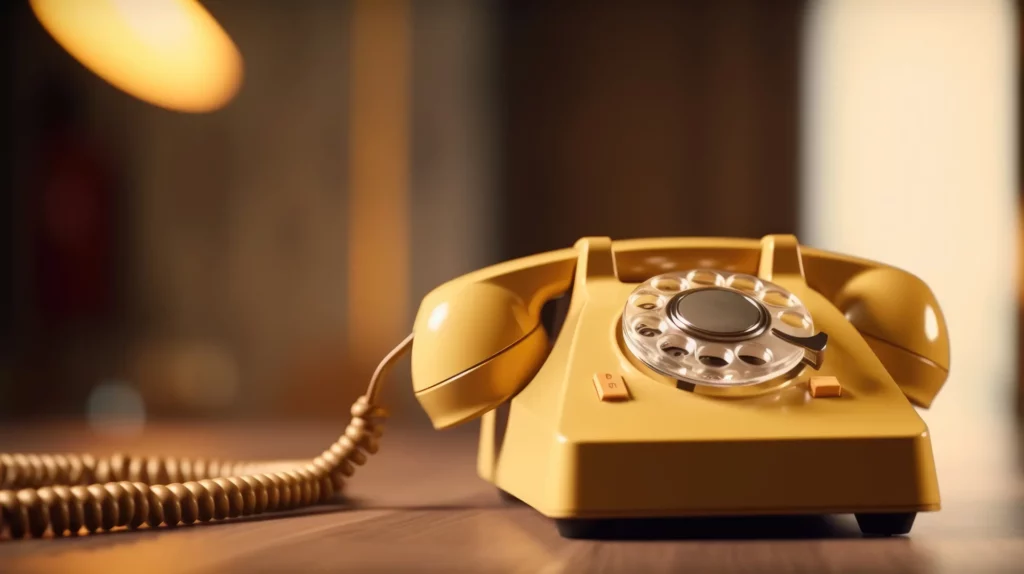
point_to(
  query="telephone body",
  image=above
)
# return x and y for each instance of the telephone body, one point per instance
(714, 349)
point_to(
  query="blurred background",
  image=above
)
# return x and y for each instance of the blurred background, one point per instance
(257, 260)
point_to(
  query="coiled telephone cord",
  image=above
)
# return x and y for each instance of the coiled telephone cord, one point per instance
(62, 494)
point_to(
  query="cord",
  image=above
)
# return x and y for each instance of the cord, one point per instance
(63, 493)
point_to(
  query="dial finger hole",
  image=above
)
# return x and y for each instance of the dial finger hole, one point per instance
(778, 299)
(648, 331)
(648, 326)
(647, 301)
(667, 284)
(715, 357)
(676, 347)
(756, 355)
(705, 277)
(745, 283)
(795, 319)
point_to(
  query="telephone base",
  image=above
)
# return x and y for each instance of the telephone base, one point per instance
(789, 526)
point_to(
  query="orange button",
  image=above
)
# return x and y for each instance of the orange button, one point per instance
(822, 387)
(611, 387)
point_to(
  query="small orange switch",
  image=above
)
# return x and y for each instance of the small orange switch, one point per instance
(611, 387)
(822, 387)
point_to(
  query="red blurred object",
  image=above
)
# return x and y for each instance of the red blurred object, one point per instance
(74, 222)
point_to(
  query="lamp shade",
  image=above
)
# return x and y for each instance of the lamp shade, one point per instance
(170, 53)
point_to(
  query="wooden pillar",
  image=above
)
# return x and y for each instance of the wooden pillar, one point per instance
(378, 192)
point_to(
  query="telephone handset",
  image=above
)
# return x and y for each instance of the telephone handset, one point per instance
(479, 338)
(691, 377)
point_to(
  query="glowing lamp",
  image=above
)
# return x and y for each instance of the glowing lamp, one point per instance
(170, 53)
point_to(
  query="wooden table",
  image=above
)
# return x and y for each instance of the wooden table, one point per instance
(419, 506)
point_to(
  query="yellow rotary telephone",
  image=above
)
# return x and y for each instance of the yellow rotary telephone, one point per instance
(689, 377)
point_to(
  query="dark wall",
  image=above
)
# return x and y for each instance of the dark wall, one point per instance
(649, 118)
(6, 174)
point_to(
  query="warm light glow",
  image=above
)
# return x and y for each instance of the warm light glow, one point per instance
(437, 317)
(931, 324)
(910, 159)
(170, 53)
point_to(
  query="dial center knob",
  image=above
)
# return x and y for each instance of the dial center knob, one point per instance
(718, 313)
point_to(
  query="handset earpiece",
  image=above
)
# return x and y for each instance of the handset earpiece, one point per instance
(900, 319)
(479, 338)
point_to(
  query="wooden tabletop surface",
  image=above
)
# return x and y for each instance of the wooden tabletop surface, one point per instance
(419, 506)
